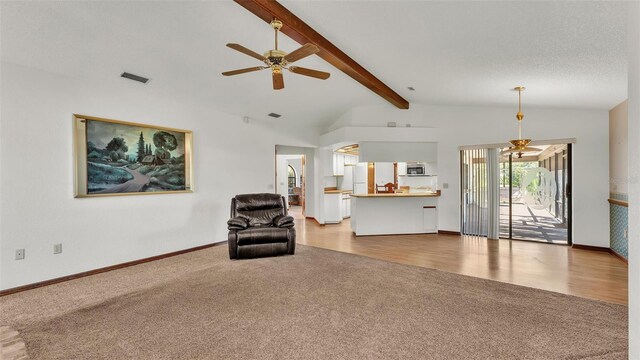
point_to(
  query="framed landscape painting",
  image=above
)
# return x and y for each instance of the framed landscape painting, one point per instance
(121, 158)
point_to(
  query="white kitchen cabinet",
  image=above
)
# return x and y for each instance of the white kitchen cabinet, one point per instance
(431, 168)
(338, 164)
(332, 208)
(326, 157)
(345, 210)
(350, 159)
(430, 219)
(348, 201)
(333, 163)
(393, 214)
(402, 169)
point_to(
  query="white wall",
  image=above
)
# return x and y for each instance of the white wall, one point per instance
(376, 151)
(383, 173)
(2, 250)
(38, 208)
(455, 126)
(633, 37)
(618, 162)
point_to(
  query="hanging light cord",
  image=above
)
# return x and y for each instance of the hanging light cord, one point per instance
(276, 38)
(519, 115)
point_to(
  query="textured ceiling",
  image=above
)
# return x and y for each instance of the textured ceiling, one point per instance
(568, 54)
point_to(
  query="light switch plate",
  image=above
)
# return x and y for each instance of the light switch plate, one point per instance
(445, 185)
(20, 254)
(57, 248)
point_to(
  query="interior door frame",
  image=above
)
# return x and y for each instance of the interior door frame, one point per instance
(303, 186)
(303, 180)
(569, 193)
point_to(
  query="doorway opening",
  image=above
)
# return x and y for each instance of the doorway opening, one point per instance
(291, 182)
(535, 195)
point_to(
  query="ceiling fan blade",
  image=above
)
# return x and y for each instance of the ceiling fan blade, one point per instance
(246, 51)
(302, 52)
(278, 80)
(242, 71)
(309, 72)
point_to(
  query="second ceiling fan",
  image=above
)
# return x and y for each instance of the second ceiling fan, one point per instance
(276, 60)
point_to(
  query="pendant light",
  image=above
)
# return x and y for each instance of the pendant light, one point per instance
(520, 145)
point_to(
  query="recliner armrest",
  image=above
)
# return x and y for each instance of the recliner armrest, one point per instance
(283, 221)
(237, 223)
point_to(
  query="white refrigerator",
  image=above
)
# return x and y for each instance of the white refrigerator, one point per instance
(347, 178)
(360, 179)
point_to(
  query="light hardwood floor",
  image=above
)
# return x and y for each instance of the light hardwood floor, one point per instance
(11, 345)
(592, 274)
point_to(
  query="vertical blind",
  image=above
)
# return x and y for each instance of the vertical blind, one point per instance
(479, 169)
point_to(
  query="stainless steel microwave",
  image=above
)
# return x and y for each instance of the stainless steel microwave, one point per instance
(416, 170)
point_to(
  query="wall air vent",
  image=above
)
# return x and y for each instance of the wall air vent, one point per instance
(274, 115)
(134, 77)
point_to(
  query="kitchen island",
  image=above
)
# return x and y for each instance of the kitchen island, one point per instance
(387, 214)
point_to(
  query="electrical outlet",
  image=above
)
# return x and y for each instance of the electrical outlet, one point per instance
(57, 248)
(445, 185)
(20, 254)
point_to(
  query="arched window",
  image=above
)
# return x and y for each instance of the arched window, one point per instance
(292, 177)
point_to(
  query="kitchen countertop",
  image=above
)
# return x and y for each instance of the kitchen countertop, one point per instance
(337, 191)
(387, 195)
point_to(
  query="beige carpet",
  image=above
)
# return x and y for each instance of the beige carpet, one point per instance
(318, 304)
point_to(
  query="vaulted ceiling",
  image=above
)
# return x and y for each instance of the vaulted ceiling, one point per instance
(568, 54)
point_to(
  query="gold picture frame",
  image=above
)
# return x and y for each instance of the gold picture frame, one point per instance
(109, 167)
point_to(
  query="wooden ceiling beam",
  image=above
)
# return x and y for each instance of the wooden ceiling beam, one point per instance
(302, 33)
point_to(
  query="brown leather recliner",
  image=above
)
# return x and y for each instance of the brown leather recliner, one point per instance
(259, 226)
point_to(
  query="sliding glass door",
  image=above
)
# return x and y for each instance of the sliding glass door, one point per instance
(535, 195)
(523, 197)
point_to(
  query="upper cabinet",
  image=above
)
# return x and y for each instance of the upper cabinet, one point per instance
(338, 164)
(334, 162)
(326, 159)
(350, 159)
(402, 169)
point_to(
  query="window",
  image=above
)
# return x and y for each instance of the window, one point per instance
(292, 177)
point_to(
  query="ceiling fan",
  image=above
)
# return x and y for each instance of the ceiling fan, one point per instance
(276, 60)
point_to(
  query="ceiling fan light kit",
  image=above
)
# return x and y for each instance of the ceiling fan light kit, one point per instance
(520, 145)
(276, 60)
